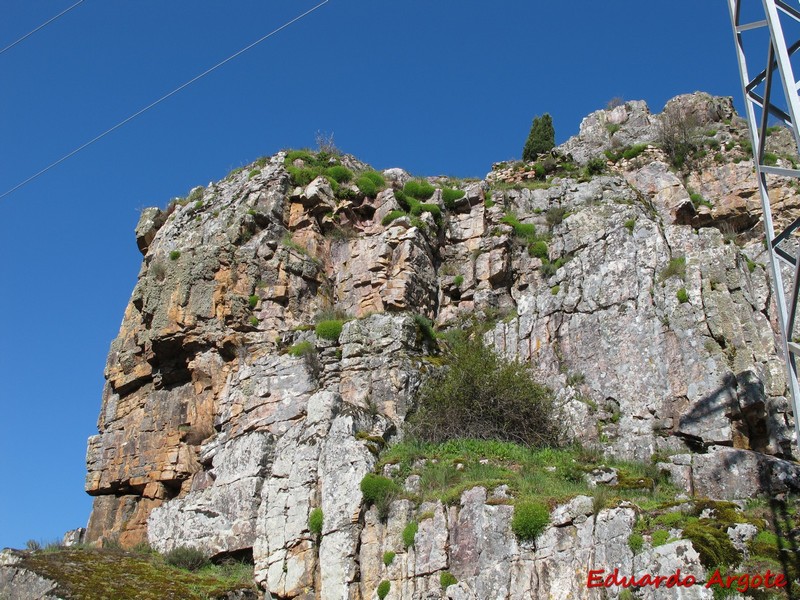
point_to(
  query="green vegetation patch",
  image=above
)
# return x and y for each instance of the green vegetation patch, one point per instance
(315, 520)
(388, 558)
(479, 395)
(392, 216)
(682, 295)
(450, 195)
(329, 329)
(370, 183)
(676, 267)
(530, 520)
(419, 189)
(92, 574)
(446, 579)
(380, 491)
(410, 533)
(300, 349)
(383, 589)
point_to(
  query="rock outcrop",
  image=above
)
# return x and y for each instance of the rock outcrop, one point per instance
(226, 419)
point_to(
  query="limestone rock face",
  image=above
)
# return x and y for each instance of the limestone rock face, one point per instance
(226, 420)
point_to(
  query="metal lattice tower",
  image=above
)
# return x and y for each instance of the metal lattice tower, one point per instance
(767, 36)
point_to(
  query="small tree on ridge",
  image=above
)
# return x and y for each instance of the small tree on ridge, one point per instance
(541, 139)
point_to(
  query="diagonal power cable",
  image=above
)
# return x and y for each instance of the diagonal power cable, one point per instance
(42, 26)
(160, 100)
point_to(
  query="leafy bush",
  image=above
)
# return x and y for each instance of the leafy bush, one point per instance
(184, 557)
(383, 589)
(300, 349)
(388, 558)
(635, 542)
(425, 327)
(446, 579)
(683, 295)
(530, 520)
(659, 537)
(380, 491)
(450, 195)
(596, 166)
(479, 395)
(393, 215)
(410, 533)
(538, 249)
(315, 521)
(418, 189)
(541, 139)
(329, 330)
(526, 231)
(339, 173)
(555, 215)
(634, 151)
(370, 183)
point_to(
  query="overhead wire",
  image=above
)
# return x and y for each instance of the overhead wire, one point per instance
(42, 26)
(160, 100)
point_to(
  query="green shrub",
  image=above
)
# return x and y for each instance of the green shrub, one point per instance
(630, 224)
(713, 546)
(380, 491)
(254, 173)
(175, 255)
(315, 521)
(555, 289)
(253, 301)
(189, 559)
(383, 589)
(676, 267)
(300, 349)
(526, 231)
(479, 395)
(634, 151)
(388, 558)
(329, 330)
(392, 216)
(458, 280)
(339, 173)
(428, 207)
(425, 327)
(370, 183)
(419, 189)
(254, 321)
(770, 159)
(410, 533)
(302, 176)
(530, 520)
(635, 542)
(683, 295)
(541, 139)
(596, 166)
(538, 250)
(446, 579)
(555, 215)
(450, 195)
(659, 537)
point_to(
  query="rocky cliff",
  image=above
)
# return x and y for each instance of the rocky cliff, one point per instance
(639, 297)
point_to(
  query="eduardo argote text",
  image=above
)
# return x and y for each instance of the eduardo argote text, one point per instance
(741, 583)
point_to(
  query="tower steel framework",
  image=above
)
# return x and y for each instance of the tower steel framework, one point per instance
(767, 36)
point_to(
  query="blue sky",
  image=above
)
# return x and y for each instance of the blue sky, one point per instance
(444, 87)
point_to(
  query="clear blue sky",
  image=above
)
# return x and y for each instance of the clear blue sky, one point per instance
(444, 87)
